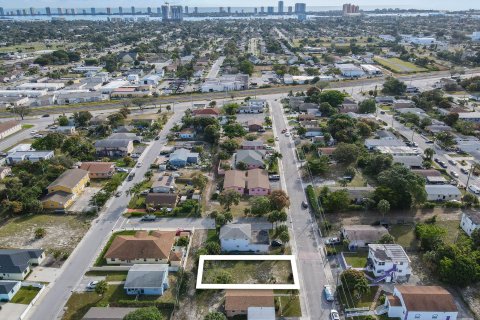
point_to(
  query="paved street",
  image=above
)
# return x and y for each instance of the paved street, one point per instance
(313, 272)
(168, 223)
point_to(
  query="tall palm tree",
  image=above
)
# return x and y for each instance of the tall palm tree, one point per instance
(429, 152)
(274, 158)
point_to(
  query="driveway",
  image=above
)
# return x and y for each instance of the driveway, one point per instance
(82, 285)
(12, 310)
(44, 274)
(169, 223)
(82, 203)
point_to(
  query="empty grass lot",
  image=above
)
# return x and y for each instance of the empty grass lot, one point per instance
(25, 295)
(365, 301)
(356, 259)
(288, 306)
(399, 66)
(251, 272)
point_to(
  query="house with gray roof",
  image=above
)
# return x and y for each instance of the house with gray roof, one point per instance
(242, 237)
(15, 263)
(32, 156)
(147, 279)
(470, 222)
(127, 136)
(114, 147)
(412, 162)
(107, 313)
(8, 289)
(252, 158)
(442, 192)
(181, 157)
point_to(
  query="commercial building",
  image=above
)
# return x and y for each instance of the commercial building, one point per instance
(350, 70)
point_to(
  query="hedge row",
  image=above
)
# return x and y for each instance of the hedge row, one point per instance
(312, 199)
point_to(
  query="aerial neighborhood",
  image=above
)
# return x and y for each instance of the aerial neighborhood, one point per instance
(271, 162)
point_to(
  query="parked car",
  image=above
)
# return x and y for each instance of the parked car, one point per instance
(464, 171)
(284, 130)
(304, 204)
(274, 177)
(334, 315)
(149, 217)
(473, 188)
(118, 194)
(334, 240)
(328, 292)
(139, 164)
(46, 115)
(121, 169)
(454, 174)
(92, 284)
(131, 176)
(452, 162)
(287, 134)
(276, 243)
(443, 164)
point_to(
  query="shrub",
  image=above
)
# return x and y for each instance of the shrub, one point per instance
(312, 199)
(40, 233)
(428, 205)
(453, 204)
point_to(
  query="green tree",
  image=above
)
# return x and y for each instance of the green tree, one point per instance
(148, 313)
(429, 152)
(246, 67)
(279, 200)
(52, 141)
(386, 239)
(318, 166)
(430, 235)
(234, 130)
(260, 206)
(82, 118)
(335, 201)
(228, 198)
(230, 145)
(346, 153)
(394, 87)
(199, 181)
(223, 277)
(101, 287)
(333, 97)
(212, 133)
(273, 159)
(21, 111)
(284, 236)
(213, 247)
(355, 282)
(215, 315)
(476, 238)
(383, 206)
(231, 108)
(62, 121)
(367, 106)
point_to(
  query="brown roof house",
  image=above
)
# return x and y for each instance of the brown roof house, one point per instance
(166, 201)
(99, 170)
(234, 180)
(421, 302)
(360, 236)
(9, 127)
(238, 302)
(141, 248)
(206, 112)
(257, 182)
(255, 125)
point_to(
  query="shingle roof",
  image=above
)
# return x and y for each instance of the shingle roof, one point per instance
(427, 299)
(58, 196)
(364, 232)
(234, 178)
(107, 313)
(257, 178)
(140, 246)
(97, 167)
(442, 189)
(69, 178)
(161, 199)
(7, 125)
(236, 231)
(112, 143)
(7, 286)
(474, 216)
(249, 157)
(242, 299)
(17, 260)
(146, 276)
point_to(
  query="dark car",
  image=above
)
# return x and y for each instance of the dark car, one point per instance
(464, 171)
(46, 115)
(149, 217)
(131, 176)
(304, 205)
(276, 243)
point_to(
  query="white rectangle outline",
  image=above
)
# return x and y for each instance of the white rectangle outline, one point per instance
(221, 286)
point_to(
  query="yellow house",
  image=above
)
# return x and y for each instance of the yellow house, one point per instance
(63, 191)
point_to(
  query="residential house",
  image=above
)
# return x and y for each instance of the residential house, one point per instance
(126, 136)
(114, 147)
(147, 279)
(166, 201)
(32, 156)
(181, 157)
(66, 130)
(436, 180)
(252, 145)
(385, 100)
(412, 162)
(261, 313)
(403, 103)
(421, 303)
(349, 105)
(257, 182)
(187, 133)
(444, 192)
(141, 248)
(8, 289)
(99, 170)
(307, 107)
(360, 236)
(326, 151)
(252, 158)
(237, 302)
(206, 112)
(63, 191)
(163, 183)
(388, 262)
(15, 263)
(255, 125)
(470, 222)
(4, 172)
(313, 128)
(242, 237)
(9, 127)
(127, 57)
(107, 313)
(398, 151)
(373, 144)
(234, 180)
(306, 117)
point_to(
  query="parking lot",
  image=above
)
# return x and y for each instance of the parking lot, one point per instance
(82, 203)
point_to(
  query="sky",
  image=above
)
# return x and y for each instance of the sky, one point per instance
(422, 4)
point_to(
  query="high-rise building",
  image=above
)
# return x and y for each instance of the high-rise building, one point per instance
(149, 10)
(255, 10)
(166, 12)
(133, 10)
(19, 12)
(176, 13)
(59, 11)
(270, 10)
(195, 10)
(120, 10)
(2, 13)
(262, 9)
(300, 8)
(159, 10)
(24, 12)
(32, 11)
(92, 11)
(220, 9)
(290, 9)
(280, 7)
(84, 12)
(186, 9)
(109, 11)
(48, 11)
(73, 11)
(229, 10)
(349, 8)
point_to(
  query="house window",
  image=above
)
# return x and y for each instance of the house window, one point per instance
(435, 316)
(113, 259)
(417, 316)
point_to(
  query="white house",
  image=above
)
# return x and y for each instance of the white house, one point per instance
(442, 192)
(362, 235)
(241, 237)
(469, 116)
(421, 303)
(9, 127)
(152, 80)
(32, 156)
(470, 222)
(8, 289)
(350, 70)
(388, 262)
(372, 144)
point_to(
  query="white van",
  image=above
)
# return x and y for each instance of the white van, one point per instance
(474, 189)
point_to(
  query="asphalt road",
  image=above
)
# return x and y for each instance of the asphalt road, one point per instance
(53, 300)
(168, 223)
(314, 273)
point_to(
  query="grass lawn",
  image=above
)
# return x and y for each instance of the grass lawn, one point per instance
(366, 300)
(453, 229)
(110, 275)
(288, 306)
(25, 295)
(398, 65)
(254, 272)
(356, 259)
(79, 303)
(27, 126)
(404, 235)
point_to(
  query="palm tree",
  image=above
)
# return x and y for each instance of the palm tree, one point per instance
(429, 152)
(274, 158)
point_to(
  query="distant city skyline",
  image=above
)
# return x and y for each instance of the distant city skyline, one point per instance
(367, 4)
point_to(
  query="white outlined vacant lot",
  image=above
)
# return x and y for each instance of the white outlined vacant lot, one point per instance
(222, 286)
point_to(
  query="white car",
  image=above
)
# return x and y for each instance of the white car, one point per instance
(92, 284)
(334, 315)
(33, 132)
(474, 189)
(287, 134)
(139, 164)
